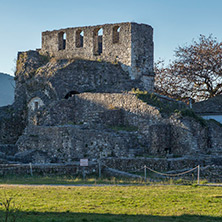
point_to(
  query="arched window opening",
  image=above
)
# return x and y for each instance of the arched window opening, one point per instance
(71, 94)
(62, 40)
(35, 103)
(79, 38)
(116, 31)
(98, 41)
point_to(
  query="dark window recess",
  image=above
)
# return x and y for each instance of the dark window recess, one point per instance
(116, 31)
(98, 41)
(62, 40)
(36, 105)
(71, 94)
(79, 38)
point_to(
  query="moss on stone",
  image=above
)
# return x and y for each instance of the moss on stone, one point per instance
(154, 100)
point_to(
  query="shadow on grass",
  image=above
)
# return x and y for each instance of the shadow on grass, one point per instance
(33, 216)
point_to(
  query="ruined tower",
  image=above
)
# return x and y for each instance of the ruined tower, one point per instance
(129, 44)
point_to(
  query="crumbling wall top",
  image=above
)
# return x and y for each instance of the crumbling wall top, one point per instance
(115, 43)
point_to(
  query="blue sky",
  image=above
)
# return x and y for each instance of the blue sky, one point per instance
(175, 22)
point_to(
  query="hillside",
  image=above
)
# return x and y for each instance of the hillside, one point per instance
(7, 85)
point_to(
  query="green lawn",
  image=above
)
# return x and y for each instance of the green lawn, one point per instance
(114, 203)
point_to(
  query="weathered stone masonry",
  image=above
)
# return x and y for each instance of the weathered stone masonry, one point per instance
(129, 44)
(82, 126)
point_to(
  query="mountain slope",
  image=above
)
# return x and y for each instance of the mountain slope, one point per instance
(7, 85)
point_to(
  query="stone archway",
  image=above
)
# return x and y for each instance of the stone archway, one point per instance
(35, 103)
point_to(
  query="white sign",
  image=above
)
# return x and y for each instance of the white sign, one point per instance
(84, 162)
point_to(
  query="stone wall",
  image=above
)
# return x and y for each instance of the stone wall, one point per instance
(214, 138)
(158, 164)
(135, 112)
(210, 173)
(210, 169)
(142, 54)
(156, 134)
(43, 169)
(111, 124)
(71, 142)
(12, 124)
(101, 113)
(130, 44)
(7, 150)
(53, 79)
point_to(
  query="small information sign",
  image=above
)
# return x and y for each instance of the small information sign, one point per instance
(84, 162)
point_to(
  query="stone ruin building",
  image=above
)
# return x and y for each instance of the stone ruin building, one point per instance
(129, 44)
(73, 100)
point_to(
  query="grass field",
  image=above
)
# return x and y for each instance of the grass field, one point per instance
(113, 203)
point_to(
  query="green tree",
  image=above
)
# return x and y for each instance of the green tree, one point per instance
(195, 73)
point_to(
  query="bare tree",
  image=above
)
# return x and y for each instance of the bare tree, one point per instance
(195, 73)
(11, 209)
